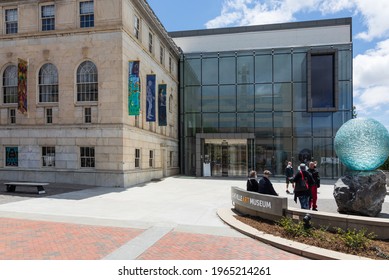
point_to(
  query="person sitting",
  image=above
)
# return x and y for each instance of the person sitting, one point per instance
(265, 186)
(252, 183)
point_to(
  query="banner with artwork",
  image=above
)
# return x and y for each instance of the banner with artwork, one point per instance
(22, 86)
(162, 105)
(11, 156)
(150, 98)
(133, 89)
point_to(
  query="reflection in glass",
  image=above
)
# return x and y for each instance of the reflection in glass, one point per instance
(263, 69)
(282, 68)
(322, 124)
(210, 99)
(245, 96)
(227, 98)
(245, 67)
(245, 122)
(227, 70)
(209, 71)
(263, 97)
(282, 97)
(192, 99)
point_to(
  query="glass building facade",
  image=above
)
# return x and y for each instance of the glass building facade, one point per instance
(258, 109)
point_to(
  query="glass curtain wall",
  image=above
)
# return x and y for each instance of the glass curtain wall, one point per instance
(263, 92)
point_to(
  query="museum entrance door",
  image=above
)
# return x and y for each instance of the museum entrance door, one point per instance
(226, 157)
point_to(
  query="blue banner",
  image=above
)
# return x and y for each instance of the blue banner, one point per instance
(162, 105)
(150, 98)
(133, 89)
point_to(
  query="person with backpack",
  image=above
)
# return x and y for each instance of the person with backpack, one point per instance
(302, 180)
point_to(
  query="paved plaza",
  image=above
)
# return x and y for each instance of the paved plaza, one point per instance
(170, 219)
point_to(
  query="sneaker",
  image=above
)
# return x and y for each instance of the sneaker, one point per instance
(314, 209)
(287, 191)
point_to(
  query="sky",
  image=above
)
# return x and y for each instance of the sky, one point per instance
(370, 34)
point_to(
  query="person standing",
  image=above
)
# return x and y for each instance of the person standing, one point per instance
(316, 184)
(302, 181)
(252, 183)
(289, 176)
(265, 186)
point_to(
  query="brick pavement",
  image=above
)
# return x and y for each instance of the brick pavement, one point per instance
(39, 240)
(35, 240)
(189, 246)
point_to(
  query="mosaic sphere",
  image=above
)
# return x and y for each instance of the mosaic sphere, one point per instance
(362, 144)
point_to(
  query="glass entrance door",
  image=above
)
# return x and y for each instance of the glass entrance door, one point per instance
(227, 157)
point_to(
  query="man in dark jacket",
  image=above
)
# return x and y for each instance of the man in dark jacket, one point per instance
(265, 186)
(252, 183)
(316, 184)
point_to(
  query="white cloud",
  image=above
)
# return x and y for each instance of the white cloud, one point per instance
(251, 12)
(371, 83)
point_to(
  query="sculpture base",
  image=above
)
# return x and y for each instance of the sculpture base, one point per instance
(361, 193)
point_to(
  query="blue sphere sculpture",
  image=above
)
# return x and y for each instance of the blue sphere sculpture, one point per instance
(362, 144)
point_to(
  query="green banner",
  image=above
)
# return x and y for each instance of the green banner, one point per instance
(133, 89)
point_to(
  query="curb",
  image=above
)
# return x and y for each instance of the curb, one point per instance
(307, 251)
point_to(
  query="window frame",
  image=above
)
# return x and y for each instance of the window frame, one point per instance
(87, 114)
(86, 83)
(322, 52)
(87, 20)
(49, 115)
(53, 94)
(8, 87)
(137, 158)
(12, 116)
(11, 29)
(87, 157)
(151, 158)
(47, 152)
(151, 42)
(49, 21)
(137, 27)
(162, 54)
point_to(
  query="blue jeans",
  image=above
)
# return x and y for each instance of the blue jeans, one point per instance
(304, 201)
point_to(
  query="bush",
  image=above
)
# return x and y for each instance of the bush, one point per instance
(294, 229)
(357, 240)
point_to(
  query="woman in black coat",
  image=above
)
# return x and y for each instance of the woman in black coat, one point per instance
(252, 183)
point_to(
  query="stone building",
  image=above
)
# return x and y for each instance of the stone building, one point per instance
(71, 123)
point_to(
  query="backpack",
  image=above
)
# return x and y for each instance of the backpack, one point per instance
(302, 184)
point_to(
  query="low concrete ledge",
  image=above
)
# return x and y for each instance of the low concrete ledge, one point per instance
(275, 207)
(307, 251)
(256, 204)
(378, 226)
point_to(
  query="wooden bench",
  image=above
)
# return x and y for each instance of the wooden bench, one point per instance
(11, 186)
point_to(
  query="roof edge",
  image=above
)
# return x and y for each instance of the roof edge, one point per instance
(266, 27)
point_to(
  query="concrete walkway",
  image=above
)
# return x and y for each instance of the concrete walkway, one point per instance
(175, 218)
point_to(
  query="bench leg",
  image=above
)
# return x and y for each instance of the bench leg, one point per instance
(41, 190)
(11, 188)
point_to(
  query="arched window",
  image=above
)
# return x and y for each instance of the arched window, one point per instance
(10, 84)
(48, 83)
(87, 87)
